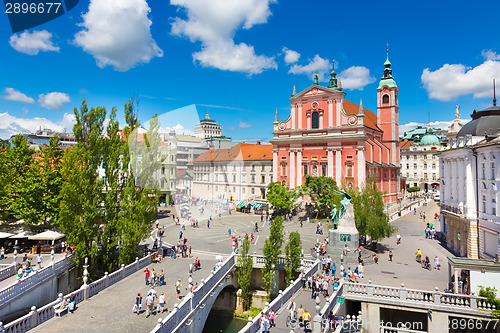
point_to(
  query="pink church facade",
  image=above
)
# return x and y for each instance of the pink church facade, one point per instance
(327, 135)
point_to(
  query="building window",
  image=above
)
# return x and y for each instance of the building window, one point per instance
(434, 166)
(414, 157)
(315, 120)
(263, 179)
(162, 183)
(243, 178)
(305, 169)
(253, 179)
(385, 99)
(433, 157)
(234, 178)
(349, 171)
(434, 176)
(283, 170)
(234, 189)
(425, 157)
(234, 167)
(323, 170)
(162, 171)
(494, 206)
(425, 166)
(263, 168)
(484, 204)
(407, 175)
(243, 190)
(253, 168)
(484, 172)
(493, 170)
(425, 175)
(414, 165)
(415, 176)
(216, 188)
(253, 191)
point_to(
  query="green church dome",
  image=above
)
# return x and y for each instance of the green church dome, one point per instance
(429, 138)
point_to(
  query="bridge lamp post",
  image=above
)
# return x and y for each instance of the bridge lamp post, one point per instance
(15, 252)
(190, 280)
(52, 253)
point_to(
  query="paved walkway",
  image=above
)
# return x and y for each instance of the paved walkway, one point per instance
(111, 309)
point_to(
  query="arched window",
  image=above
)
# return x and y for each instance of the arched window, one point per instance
(315, 120)
(385, 99)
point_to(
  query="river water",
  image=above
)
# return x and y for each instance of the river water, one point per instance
(223, 324)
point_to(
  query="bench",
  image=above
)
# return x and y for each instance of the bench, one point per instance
(58, 310)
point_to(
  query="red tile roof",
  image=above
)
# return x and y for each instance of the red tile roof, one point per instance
(240, 152)
(405, 144)
(370, 117)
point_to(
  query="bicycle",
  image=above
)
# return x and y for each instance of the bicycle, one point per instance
(291, 319)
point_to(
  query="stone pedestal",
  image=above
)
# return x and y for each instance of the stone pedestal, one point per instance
(346, 233)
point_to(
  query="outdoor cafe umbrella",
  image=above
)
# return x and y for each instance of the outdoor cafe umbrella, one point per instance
(23, 234)
(47, 235)
(5, 235)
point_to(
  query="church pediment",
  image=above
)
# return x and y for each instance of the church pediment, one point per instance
(315, 90)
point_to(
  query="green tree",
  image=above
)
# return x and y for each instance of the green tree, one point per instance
(322, 191)
(370, 216)
(491, 295)
(293, 250)
(245, 263)
(140, 199)
(280, 196)
(272, 251)
(81, 209)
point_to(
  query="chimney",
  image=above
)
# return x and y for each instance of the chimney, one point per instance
(258, 142)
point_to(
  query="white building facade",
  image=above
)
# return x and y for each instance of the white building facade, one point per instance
(241, 173)
(469, 182)
(420, 162)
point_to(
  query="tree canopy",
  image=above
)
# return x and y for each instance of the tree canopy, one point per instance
(272, 250)
(281, 197)
(322, 192)
(293, 251)
(369, 212)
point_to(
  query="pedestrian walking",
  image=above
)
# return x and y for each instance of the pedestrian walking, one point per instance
(161, 302)
(39, 260)
(436, 263)
(149, 305)
(178, 288)
(390, 255)
(138, 304)
(208, 223)
(398, 239)
(147, 275)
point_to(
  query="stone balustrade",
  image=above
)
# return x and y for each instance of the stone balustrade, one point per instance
(181, 312)
(37, 316)
(280, 300)
(34, 278)
(7, 271)
(259, 260)
(349, 324)
(418, 298)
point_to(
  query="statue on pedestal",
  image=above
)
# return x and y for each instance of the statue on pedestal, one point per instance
(334, 217)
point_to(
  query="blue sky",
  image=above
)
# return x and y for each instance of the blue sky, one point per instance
(239, 59)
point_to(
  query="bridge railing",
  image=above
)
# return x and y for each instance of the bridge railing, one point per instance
(34, 278)
(7, 271)
(331, 305)
(181, 312)
(280, 300)
(37, 316)
(434, 297)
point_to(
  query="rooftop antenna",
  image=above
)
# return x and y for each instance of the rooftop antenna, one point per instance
(494, 95)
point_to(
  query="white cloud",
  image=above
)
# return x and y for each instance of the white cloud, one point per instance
(451, 81)
(10, 125)
(17, 96)
(214, 24)
(442, 124)
(53, 100)
(117, 33)
(355, 78)
(317, 64)
(178, 129)
(291, 56)
(242, 124)
(34, 42)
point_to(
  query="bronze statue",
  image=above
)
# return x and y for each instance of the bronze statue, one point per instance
(344, 202)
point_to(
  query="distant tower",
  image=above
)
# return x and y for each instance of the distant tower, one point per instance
(388, 111)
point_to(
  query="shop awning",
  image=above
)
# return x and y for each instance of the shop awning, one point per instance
(47, 235)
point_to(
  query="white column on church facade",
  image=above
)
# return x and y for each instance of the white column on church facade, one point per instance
(308, 119)
(275, 165)
(339, 111)
(361, 166)
(299, 167)
(330, 113)
(293, 112)
(292, 169)
(300, 116)
(454, 182)
(329, 154)
(321, 119)
(338, 165)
